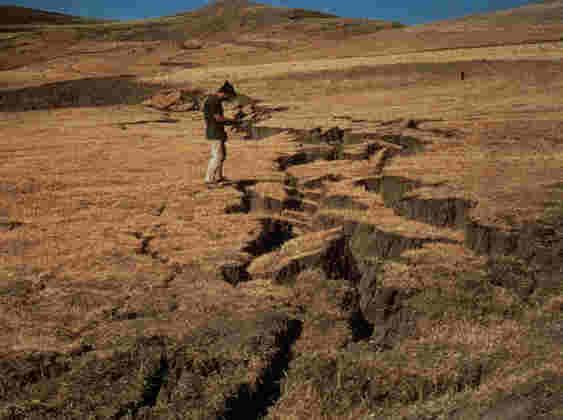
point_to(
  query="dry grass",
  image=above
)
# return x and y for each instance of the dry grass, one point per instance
(384, 219)
(520, 169)
(473, 337)
(548, 51)
(294, 249)
(84, 188)
(434, 266)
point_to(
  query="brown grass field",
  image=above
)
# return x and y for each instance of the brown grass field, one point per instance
(411, 270)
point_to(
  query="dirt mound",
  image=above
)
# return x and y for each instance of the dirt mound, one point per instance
(176, 100)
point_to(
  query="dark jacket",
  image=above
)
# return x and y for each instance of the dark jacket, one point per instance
(215, 130)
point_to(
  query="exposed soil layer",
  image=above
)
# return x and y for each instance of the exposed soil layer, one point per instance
(273, 235)
(538, 246)
(250, 201)
(448, 212)
(370, 242)
(391, 188)
(443, 212)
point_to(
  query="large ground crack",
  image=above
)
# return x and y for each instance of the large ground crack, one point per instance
(152, 386)
(274, 233)
(441, 212)
(254, 404)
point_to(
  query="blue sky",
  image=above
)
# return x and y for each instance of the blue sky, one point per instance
(406, 11)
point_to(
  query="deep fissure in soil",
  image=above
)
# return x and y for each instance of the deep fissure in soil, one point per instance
(254, 404)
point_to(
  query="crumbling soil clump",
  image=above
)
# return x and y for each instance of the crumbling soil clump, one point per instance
(179, 100)
(192, 44)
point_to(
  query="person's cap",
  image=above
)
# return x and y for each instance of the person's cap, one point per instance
(228, 89)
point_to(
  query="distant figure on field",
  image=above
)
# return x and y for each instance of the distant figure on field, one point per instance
(215, 132)
(462, 75)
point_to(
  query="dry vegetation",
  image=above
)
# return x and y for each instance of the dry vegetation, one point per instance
(407, 269)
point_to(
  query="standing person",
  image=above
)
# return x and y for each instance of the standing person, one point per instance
(215, 132)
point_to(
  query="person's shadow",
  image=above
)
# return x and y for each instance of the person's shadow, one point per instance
(242, 184)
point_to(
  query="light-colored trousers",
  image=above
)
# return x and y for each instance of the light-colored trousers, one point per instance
(218, 156)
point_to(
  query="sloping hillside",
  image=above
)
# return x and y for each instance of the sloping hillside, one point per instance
(242, 27)
(537, 12)
(533, 23)
(16, 15)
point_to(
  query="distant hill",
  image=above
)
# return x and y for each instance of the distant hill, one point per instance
(532, 23)
(16, 15)
(540, 12)
(246, 16)
(269, 14)
(217, 19)
(242, 16)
